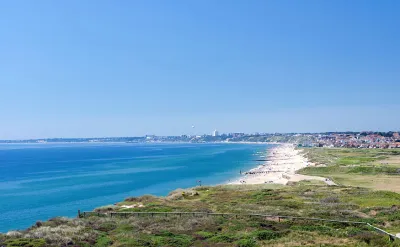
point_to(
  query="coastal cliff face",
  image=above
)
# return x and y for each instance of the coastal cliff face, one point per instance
(305, 199)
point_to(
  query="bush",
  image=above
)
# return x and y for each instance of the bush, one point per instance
(226, 238)
(205, 235)
(106, 208)
(14, 234)
(135, 242)
(38, 223)
(331, 199)
(62, 235)
(123, 228)
(143, 199)
(25, 243)
(373, 239)
(371, 220)
(353, 231)
(394, 217)
(57, 221)
(166, 238)
(103, 241)
(266, 235)
(246, 243)
(106, 226)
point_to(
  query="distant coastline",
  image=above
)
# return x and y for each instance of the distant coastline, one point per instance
(364, 139)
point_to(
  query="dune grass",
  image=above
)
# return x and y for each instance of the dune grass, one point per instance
(304, 199)
(371, 168)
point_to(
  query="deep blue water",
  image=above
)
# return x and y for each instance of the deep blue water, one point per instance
(40, 181)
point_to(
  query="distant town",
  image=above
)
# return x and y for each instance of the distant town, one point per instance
(364, 139)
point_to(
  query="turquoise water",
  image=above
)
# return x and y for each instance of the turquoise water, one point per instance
(40, 181)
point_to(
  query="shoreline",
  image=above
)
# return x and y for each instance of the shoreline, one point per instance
(280, 167)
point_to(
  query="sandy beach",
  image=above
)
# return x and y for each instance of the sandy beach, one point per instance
(280, 167)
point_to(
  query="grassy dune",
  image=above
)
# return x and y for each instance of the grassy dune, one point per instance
(371, 168)
(306, 199)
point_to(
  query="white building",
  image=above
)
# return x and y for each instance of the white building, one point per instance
(215, 133)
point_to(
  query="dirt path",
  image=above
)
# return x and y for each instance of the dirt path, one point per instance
(299, 177)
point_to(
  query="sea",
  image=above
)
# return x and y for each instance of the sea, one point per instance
(41, 181)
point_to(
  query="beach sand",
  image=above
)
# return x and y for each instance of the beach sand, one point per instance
(280, 167)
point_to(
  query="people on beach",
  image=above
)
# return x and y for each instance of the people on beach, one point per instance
(282, 162)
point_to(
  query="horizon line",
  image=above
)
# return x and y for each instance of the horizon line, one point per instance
(253, 133)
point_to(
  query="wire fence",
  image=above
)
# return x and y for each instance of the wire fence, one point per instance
(391, 236)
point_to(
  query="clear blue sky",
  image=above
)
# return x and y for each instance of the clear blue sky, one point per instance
(125, 68)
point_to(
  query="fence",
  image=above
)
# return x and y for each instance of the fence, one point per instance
(392, 237)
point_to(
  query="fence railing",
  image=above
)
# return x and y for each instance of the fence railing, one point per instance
(391, 236)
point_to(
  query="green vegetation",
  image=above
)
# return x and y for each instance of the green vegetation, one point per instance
(305, 199)
(25, 242)
(371, 168)
(103, 241)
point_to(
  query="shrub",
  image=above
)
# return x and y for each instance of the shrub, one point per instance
(227, 238)
(371, 220)
(57, 221)
(124, 227)
(14, 234)
(106, 208)
(103, 241)
(331, 199)
(373, 239)
(394, 217)
(107, 226)
(135, 242)
(25, 242)
(132, 199)
(166, 238)
(266, 235)
(145, 198)
(38, 223)
(353, 231)
(62, 235)
(246, 243)
(205, 235)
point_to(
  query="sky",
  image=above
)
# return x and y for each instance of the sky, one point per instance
(97, 68)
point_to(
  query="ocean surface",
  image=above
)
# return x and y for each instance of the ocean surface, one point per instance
(41, 181)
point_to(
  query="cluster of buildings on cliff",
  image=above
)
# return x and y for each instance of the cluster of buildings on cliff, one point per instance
(355, 140)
